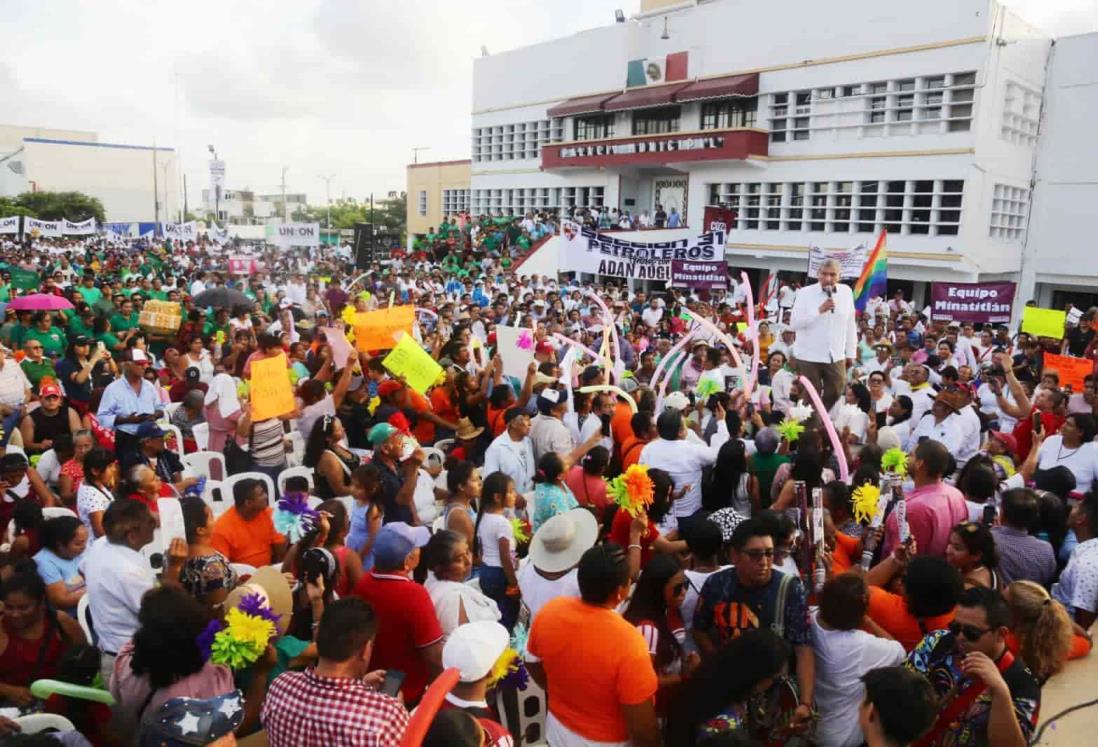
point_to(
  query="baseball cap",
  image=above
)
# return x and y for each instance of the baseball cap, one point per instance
(629, 384)
(389, 386)
(544, 348)
(150, 430)
(676, 401)
(192, 374)
(381, 433)
(395, 541)
(474, 648)
(49, 390)
(1007, 439)
(285, 303)
(138, 356)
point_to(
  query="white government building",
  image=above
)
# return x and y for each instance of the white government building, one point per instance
(964, 131)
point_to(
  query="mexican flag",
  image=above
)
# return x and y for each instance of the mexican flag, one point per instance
(654, 70)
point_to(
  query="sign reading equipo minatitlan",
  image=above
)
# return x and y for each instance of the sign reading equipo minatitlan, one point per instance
(972, 302)
(294, 234)
(584, 250)
(699, 275)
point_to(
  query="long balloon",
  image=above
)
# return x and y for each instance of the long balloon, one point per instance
(721, 335)
(836, 442)
(680, 358)
(611, 388)
(611, 347)
(752, 334)
(569, 341)
(665, 360)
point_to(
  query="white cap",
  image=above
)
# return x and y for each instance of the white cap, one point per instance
(474, 648)
(676, 401)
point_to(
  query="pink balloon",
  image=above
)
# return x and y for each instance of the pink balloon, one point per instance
(722, 336)
(840, 454)
(753, 333)
(667, 378)
(617, 367)
(670, 354)
(581, 346)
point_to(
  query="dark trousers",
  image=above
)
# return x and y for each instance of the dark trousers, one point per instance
(828, 378)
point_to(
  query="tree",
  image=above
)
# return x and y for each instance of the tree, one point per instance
(9, 206)
(75, 206)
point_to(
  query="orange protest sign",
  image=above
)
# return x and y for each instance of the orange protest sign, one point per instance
(270, 390)
(377, 330)
(1071, 370)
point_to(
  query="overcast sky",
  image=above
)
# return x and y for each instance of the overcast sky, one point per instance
(344, 87)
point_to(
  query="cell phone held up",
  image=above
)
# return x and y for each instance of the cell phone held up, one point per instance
(390, 686)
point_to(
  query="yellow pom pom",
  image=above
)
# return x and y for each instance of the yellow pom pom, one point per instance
(866, 497)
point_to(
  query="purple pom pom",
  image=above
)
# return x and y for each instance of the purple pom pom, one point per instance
(205, 639)
(253, 604)
(516, 680)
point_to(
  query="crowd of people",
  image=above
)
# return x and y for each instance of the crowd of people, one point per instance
(623, 532)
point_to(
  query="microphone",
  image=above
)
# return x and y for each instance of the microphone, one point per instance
(829, 290)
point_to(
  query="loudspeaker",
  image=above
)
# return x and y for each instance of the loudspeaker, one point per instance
(364, 245)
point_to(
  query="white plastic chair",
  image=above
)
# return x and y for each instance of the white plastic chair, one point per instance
(348, 502)
(228, 483)
(297, 452)
(215, 498)
(444, 444)
(35, 723)
(306, 472)
(83, 616)
(433, 454)
(201, 462)
(243, 569)
(201, 435)
(178, 437)
(170, 408)
(52, 512)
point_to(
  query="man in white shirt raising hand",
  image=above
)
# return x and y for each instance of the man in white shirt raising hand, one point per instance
(827, 336)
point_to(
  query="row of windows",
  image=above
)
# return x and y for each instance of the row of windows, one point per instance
(1008, 212)
(911, 207)
(455, 201)
(1021, 114)
(930, 104)
(516, 141)
(722, 114)
(421, 202)
(519, 201)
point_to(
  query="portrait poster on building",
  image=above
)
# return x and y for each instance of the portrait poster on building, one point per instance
(718, 219)
(851, 260)
(699, 275)
(975, 303)
(584, 250)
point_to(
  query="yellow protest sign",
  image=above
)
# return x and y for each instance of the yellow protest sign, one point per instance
(270, 390)
(1043, 322)
(412, 362)
(376, 330)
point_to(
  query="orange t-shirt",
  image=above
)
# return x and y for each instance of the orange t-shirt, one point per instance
(844, 556)
(443, 407)
(631, 450)
(246, 542)
(591, 680)
(890, 612)
(621, 425)
(424, 430)
(496, 423)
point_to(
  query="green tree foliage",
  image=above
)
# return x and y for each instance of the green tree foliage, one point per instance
(388, 214)
(76, 206)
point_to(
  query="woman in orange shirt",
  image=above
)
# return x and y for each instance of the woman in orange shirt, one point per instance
(931, 587)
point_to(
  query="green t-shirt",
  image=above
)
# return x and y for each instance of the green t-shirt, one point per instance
(5, 293)
(77, 328)
(92, 295)
(53, 341)
(158, 295)
(120, 323)
(37, 371)
(17, 335)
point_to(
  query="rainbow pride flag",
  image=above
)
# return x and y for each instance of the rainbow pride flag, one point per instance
(874, 278)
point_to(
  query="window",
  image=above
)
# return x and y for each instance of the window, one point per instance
(877, 106)
(656, 121)
(455, 201)
(593, 127)
(731, 113)
(905, 85)
(778, 111)
(804, 102)
(909, 207)
(961, 95)
(519, 140)
(421, 203)
(848, 91)
(904, 107)
(1021, 115)
(1008, 212)
(521, 200)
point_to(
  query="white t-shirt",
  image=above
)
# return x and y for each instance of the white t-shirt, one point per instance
(1083, 462)
(695, 579)
(537, 591)
(989, 405)
(90, 500)
(493, 528)
(842, 658)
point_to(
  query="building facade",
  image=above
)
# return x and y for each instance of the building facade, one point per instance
(134, 182)
(819, 124)
(435, 190)
(246, 207)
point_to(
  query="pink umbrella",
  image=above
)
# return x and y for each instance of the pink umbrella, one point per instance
(40, 302)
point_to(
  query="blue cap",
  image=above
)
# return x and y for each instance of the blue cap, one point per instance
(395, 542)
(150, 430)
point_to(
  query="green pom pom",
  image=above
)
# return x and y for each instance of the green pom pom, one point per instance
(234, 653)
(895, 460)
(790, 430)
(707, 388)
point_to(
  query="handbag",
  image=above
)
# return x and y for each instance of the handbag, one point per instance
(238, 460)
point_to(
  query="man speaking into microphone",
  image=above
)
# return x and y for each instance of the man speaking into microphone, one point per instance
(827, 336)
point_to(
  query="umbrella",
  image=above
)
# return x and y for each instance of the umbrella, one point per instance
(222, 298)
(39, 302)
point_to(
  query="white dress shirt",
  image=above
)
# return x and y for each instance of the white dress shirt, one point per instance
(946, 432)
(117, 577)
(550, 434)
(968, 426)
(684, 462)
(513, 458)
(828, 337)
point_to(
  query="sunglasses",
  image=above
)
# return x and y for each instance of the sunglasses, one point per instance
(970, 632)
(757, 555)
(679, 588)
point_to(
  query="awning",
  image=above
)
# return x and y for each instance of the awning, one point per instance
(643, 97)
(581, 105)
(716, 88)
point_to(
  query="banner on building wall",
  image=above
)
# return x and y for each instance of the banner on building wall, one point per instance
(286, 235)
(47, 228)
(977, 303)
(9, 225)
(719, 219)
(851, 260)
(584, 250)
(699, 275)
(182, 231)
(83, 228)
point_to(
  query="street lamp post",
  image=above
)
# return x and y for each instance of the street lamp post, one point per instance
(328, 196)
(284, 210)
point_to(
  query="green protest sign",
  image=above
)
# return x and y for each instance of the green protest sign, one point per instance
(24, 279)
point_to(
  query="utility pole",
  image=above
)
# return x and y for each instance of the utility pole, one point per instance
(284, 211)
(156, 196)
(186, 208)
(328, 196)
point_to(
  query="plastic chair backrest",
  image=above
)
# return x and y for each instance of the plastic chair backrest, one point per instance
(38, 722)
(83, 616)
(306, 472)
(202, 462)
(201, 435)
(52, 512)
(227, 486)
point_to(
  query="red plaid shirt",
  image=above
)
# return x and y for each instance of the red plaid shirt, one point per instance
(305, 710)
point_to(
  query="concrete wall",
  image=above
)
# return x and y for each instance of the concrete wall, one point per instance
(432, 178)
(121, 176)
